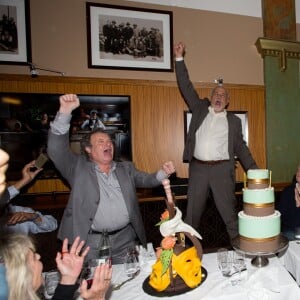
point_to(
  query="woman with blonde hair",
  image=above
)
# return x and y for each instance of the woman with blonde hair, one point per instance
(24, 270)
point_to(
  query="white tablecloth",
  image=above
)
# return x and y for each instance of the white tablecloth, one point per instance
(291, 259)
(270, 282)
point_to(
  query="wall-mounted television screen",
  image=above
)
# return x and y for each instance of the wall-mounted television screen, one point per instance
(25, 119)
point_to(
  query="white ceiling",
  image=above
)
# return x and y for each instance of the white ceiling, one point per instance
(239, 7)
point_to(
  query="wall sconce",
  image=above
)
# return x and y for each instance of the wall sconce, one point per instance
(34, 70)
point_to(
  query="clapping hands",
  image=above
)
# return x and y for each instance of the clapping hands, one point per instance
(70, 263)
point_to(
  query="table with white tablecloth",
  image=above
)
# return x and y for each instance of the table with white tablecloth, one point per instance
(270, 282)
(291, 259)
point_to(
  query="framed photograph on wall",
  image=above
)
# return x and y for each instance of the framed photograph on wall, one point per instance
(120, 37)
(15, 42)
(243, 115)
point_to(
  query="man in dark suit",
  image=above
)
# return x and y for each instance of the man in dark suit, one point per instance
(213, 141)
(103, 195)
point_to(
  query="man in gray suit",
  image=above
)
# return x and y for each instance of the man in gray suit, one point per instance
(213, 141)
(103, 195)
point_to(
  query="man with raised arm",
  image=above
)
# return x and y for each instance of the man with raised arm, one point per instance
(103, 195)
(213, 142)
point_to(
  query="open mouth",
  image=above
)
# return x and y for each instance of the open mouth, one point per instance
(107, 151)
(218, 103)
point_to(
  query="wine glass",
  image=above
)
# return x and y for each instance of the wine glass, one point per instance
(131, 264)
(239, 262)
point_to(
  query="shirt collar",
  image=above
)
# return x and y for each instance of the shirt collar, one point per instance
(112, 168)
(220, 114)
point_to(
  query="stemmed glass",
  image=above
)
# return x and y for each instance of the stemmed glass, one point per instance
(239, 262)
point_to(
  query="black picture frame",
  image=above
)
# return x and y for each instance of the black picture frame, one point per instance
(243, 115)
(25, 120)
(120, 37)
(15, 49)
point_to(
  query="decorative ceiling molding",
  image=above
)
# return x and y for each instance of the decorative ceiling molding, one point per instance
(283, 49)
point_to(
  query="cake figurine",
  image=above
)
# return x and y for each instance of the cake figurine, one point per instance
(178, 266)
(259, 222)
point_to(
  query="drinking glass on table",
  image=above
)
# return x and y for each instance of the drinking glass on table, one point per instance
(131, 263)
(88, 270)
(224, 261)
(239, 262)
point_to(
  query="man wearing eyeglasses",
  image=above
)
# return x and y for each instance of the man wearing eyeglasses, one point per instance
(214, 140)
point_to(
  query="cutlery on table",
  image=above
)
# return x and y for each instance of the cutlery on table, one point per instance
(119, 285)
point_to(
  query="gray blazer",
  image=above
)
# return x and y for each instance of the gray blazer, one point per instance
(199, 108)
(85, 194)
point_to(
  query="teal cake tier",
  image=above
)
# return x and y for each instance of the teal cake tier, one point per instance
(258, 174)
(258, 196)
(259, 227)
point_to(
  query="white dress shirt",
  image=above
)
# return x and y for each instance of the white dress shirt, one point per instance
(212, 137)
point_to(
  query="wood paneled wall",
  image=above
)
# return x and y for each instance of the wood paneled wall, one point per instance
(157, 115)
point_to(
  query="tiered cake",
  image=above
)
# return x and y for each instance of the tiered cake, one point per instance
(259, 222)
(178, 265)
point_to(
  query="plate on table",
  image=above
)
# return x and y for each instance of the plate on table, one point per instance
(151, 291)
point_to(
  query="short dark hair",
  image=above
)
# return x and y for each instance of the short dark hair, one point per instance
(86, 140)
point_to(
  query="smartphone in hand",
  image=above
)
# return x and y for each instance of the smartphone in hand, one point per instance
(41, 160)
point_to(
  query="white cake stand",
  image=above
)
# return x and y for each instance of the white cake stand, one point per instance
(261, 258)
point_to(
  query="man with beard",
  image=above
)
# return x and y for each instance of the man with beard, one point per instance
(213, 142)
(103, 196)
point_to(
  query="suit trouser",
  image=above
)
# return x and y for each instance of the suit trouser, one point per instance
(120, 242)
(220, 179)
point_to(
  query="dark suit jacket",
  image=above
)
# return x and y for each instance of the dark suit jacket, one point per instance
(85, 194)
(65, 292)
(290, 213)
(199, 108)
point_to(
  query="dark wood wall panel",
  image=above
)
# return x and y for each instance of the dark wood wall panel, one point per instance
(156, 115)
